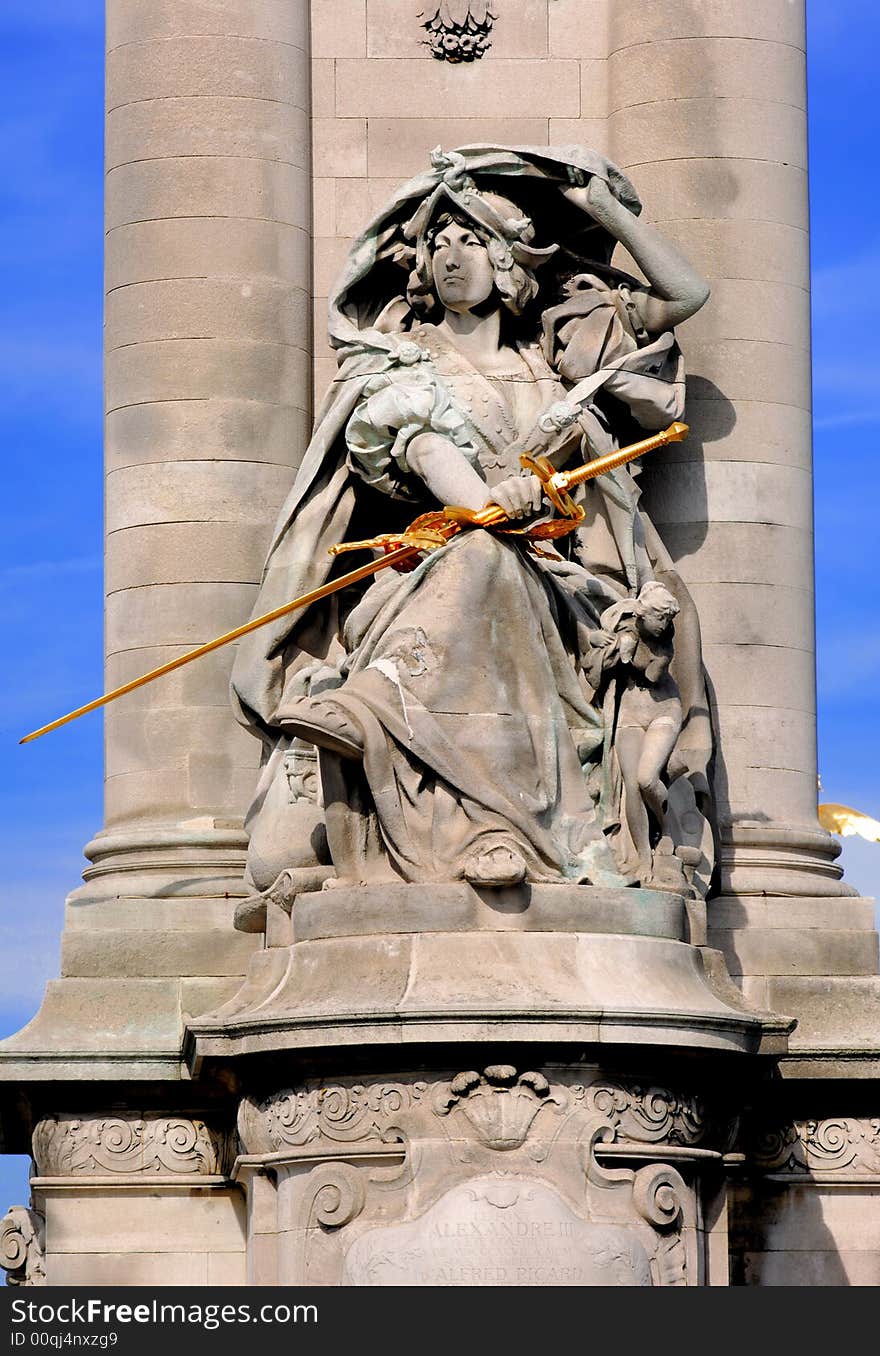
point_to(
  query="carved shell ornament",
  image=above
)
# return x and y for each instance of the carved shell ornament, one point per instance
(458, 30)
(499, 1103)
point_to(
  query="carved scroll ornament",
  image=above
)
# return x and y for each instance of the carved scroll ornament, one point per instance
(97, 1146)
(338, 1113)
(22, 1246)
(844, 1144)
(646, 1114)
(500, 1104)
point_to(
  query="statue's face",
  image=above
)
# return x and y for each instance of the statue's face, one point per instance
(656, 618)
(463, 273)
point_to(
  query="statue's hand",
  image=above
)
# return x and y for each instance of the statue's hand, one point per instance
(596, 199)
(519, 496)
(628, 642)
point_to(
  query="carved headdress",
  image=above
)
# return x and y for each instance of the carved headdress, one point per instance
(510, 194)
(497, 216)
(498, 220)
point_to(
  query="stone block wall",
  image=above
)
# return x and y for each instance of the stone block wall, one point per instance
(141, 1235)
(807, 1234)
(381, 102)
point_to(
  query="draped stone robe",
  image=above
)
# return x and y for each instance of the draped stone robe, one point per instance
(466, 678)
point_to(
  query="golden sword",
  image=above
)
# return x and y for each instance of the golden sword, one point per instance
(436, 531)
(557, 484)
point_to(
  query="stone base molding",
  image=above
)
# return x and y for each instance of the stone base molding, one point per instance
(544, 962)
(776, 859)
(184, 860)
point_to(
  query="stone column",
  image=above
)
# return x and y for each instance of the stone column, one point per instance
(708, 115)
(208, 378)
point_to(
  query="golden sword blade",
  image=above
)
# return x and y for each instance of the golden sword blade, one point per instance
(353, 577)
(560, 482)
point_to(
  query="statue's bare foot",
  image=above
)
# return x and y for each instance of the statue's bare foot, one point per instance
(631, 868)
(495, 867)
(322, 723)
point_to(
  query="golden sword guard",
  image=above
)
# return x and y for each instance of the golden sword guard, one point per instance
(558, 483)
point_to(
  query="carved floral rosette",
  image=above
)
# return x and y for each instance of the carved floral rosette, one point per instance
(845, 1145)
(458, 30)
(369, 1139)
(22, 1248)
(101, 1146)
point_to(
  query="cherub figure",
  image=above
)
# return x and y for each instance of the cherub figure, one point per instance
(648, 716)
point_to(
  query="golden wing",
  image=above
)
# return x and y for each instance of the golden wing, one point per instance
(847, 822)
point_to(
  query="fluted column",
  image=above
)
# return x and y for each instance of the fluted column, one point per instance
(208, 281)
(708, 115)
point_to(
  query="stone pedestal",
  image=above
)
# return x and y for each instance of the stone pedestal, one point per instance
(391, 966)
(137, 1198)
(523, 1112)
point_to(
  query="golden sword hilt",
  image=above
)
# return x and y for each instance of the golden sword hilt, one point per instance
(563, 481)
(557, 484)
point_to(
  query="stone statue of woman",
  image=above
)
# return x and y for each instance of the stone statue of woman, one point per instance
(456, 728)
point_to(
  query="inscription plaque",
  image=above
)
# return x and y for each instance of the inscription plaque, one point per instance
(498, 1230)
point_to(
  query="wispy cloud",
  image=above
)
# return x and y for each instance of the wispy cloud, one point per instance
(30, 359)
(851, 372)
(56, 15)
(833, 21)
(841, 288)
(32, 905)
(31, 957)
(861, 868)
(62, 380)
(41, 569)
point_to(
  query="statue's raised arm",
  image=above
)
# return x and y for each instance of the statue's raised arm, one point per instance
(676, 291)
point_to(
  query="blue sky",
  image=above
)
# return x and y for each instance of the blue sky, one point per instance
(51, 123)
